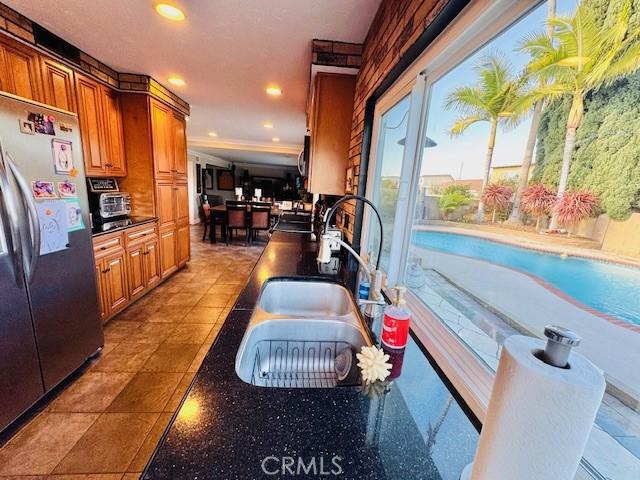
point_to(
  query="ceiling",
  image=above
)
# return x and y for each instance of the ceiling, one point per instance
(227, 51)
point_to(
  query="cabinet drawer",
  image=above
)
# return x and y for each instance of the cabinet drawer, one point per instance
(107, 244)
(140, 234)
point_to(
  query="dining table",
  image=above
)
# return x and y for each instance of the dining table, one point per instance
(219, 216)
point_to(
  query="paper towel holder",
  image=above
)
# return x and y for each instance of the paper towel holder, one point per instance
(560, 341)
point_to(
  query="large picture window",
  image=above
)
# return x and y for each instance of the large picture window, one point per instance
(390, 154)
(523, 185)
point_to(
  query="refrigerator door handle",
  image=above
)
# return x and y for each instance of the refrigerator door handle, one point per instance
(8, 211)
(33, 229)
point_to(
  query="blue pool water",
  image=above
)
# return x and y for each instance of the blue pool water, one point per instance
(609, 288)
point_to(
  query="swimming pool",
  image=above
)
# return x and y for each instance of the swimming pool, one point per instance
(609, 288)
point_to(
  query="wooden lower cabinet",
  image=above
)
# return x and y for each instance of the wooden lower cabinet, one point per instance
(102, 293)
(129, 264)
(111, 276)
(168, 250)
(135, 270)
(115, 278)
(184, 245)
(152, 263)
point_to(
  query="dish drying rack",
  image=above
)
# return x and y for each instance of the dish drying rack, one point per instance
(296, 363)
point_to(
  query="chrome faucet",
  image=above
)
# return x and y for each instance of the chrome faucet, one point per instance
(324, 253)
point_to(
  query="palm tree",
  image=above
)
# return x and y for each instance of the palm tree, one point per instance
(523, 176)
(582, 56)
(493, 100)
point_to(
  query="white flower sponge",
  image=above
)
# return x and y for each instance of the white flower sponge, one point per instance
(373, 364)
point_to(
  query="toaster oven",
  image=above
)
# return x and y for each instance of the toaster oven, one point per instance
(114, 204)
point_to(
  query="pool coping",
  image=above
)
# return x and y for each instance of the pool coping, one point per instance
(540, 246)
(540, 281)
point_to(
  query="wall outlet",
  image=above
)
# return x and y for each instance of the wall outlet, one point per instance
(336, 233)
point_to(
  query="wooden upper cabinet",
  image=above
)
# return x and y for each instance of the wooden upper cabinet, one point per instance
(331, 116)
(100, 128)
(91, 129)
(58, 85)
(20, 69)
(113, 135)
(179, 146)
(162, 139)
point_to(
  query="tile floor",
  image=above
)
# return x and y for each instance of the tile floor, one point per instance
(106, 423)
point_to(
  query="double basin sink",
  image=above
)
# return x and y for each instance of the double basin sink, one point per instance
(302, 334)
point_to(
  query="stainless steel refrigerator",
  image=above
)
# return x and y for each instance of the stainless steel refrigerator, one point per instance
(49, 316)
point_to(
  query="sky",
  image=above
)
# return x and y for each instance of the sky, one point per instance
(463, 157)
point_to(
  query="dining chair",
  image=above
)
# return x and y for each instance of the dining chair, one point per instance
(206, 210)
(260, 218)
(237, 219)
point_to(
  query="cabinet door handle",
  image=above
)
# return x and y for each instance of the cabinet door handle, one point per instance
(106, 270)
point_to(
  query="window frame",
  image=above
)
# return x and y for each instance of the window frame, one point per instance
(413, 88)
(477, 24)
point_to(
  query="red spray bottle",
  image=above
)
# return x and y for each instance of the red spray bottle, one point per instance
(395, 325)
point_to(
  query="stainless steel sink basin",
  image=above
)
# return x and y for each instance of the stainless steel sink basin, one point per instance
(296, 331)
(305, 299)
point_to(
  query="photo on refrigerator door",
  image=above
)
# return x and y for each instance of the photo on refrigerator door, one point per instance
(43, 189)
(67, 189)
(42, 123)
(62, 156)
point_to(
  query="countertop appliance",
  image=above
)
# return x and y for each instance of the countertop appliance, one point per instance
(106, 201)
(49, 314)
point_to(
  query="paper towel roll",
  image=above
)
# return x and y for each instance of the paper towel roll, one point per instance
(539, 416)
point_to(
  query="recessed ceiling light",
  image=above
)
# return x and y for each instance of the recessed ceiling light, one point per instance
(275, 139)
(177, 81)
(213, 134)
(170, 11)
(275, 91)
(267, 125)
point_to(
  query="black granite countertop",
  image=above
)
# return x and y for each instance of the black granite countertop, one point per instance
(228, 429)
(117, 225)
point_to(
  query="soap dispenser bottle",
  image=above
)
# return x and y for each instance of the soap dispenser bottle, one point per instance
(364, 279)
(395, 324)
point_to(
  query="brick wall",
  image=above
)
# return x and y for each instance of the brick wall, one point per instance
(396, 27)
(336, 54)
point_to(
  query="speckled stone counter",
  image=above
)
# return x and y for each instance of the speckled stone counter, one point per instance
(227, 429)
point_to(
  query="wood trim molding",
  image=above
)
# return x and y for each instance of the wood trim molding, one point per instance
(285, 149)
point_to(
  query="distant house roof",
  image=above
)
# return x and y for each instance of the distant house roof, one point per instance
(434, 180)
(474, 184)
(504, 167)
